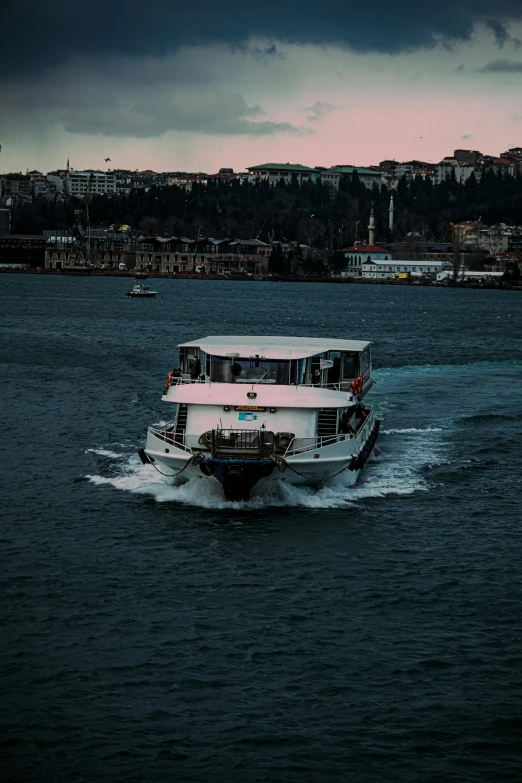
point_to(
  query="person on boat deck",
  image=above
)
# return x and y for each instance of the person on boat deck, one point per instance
(344, 424)
(316, 377)
(236, 370)
(194, 368)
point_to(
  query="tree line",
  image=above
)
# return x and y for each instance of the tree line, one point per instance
(308, 213)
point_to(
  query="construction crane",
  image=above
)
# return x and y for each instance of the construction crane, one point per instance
(81, 249)
(261, 229)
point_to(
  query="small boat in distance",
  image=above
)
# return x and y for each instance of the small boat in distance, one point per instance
(249, 411)
(140, 290)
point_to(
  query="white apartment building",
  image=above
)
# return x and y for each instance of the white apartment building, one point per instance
(442, 172)
(463, 171)
(368, 177)
(275, 172)
(77, 182)
(381, 270)
(404, 170)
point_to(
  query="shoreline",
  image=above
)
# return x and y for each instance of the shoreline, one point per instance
(259, 278)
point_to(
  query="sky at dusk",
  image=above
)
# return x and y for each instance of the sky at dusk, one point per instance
(200, 86)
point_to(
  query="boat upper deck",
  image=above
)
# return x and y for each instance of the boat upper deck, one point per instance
(271, 347)
(280, 361)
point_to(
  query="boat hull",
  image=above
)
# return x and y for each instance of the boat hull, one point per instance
(243, 478)
(140, 296)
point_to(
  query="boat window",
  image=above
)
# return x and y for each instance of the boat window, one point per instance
(350, 366)
(365, 362)
(334, 373)
(297, 371)
(203, 361)
(185, 355)
(256, 369)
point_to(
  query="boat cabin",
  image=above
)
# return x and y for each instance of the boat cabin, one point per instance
(284, 361)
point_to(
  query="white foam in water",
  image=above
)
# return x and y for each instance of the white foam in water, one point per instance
(144, 479)
(393, 472)
(410, 430)
(105, 453)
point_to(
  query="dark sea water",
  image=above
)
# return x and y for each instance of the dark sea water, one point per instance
(150, 633)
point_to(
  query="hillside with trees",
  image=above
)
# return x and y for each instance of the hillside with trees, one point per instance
(309, 213)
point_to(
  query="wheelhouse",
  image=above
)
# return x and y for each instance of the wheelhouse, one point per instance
(277, 361)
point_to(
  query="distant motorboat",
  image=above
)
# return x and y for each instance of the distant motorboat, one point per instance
(140, 290)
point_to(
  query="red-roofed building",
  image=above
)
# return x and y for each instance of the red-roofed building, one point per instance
(504, 165)
(467, 232)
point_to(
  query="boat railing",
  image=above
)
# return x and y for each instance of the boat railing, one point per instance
(340, 386)
(343, 386)
(241, 443)
(186, 379)
(168, 434)
(178, 380)
(302, 445)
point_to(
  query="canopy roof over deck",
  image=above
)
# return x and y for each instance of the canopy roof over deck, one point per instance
(270, 347)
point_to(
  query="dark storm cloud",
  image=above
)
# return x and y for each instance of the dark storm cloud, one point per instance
(114, 103)
(39, 34)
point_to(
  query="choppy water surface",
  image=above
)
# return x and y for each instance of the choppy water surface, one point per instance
(152, 633)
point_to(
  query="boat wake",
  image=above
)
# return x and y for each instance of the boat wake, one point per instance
(410, 430)
(397, 467)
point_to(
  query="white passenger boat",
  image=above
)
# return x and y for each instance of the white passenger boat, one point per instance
(253, 410)
(141, 290)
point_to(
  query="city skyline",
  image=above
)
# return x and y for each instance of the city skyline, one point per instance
(361, 86)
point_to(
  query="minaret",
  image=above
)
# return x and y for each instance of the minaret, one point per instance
(67, 165)
(371, 229)
(390, 222)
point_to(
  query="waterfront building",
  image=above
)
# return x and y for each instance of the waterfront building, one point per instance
(5, 220)
(207, 255)
(22, 250)
(359, 254)
(106, 248)
(383, 270)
